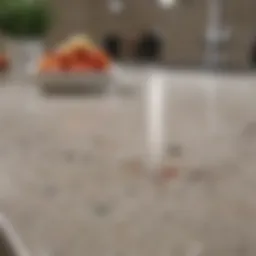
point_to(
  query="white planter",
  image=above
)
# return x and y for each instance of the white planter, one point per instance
(24, 55)
(87, 82)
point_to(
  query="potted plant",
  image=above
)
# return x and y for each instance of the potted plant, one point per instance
(24, 23)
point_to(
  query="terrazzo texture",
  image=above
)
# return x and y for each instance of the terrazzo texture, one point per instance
(73, 181)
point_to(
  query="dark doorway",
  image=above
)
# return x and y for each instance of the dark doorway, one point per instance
(113, 46)
(149, 47)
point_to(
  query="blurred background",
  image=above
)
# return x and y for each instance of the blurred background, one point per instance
(127, 127)
(179, 32)
(171, 32)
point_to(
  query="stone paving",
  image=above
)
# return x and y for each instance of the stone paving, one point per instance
(73, 181)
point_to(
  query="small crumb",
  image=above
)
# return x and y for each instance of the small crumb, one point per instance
(102, 209)
(174, 150)
(167, 173)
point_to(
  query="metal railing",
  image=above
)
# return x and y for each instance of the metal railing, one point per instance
(216, 34)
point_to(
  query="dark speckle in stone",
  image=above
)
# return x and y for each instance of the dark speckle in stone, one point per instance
(174, 150)
(102, 209)
(69, 156)
(51, 191)
(199, 175)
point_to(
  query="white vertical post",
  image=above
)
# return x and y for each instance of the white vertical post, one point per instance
(214, 33)
(155, 134)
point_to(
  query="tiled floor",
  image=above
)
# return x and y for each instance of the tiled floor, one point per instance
(73, 181)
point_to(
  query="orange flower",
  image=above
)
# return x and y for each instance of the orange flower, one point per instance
(81, 55)
(77, 59)
(4, 63)
(100, 60)
(64, 62)
(81, 67)
(48, 63)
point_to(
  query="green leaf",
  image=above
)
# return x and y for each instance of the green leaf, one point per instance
(21, 18)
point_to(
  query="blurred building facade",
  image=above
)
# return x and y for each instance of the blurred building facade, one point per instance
(182, 26)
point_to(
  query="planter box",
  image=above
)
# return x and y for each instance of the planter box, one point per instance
(74, 83)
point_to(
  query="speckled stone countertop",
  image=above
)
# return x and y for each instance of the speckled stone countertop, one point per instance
(73, 182)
